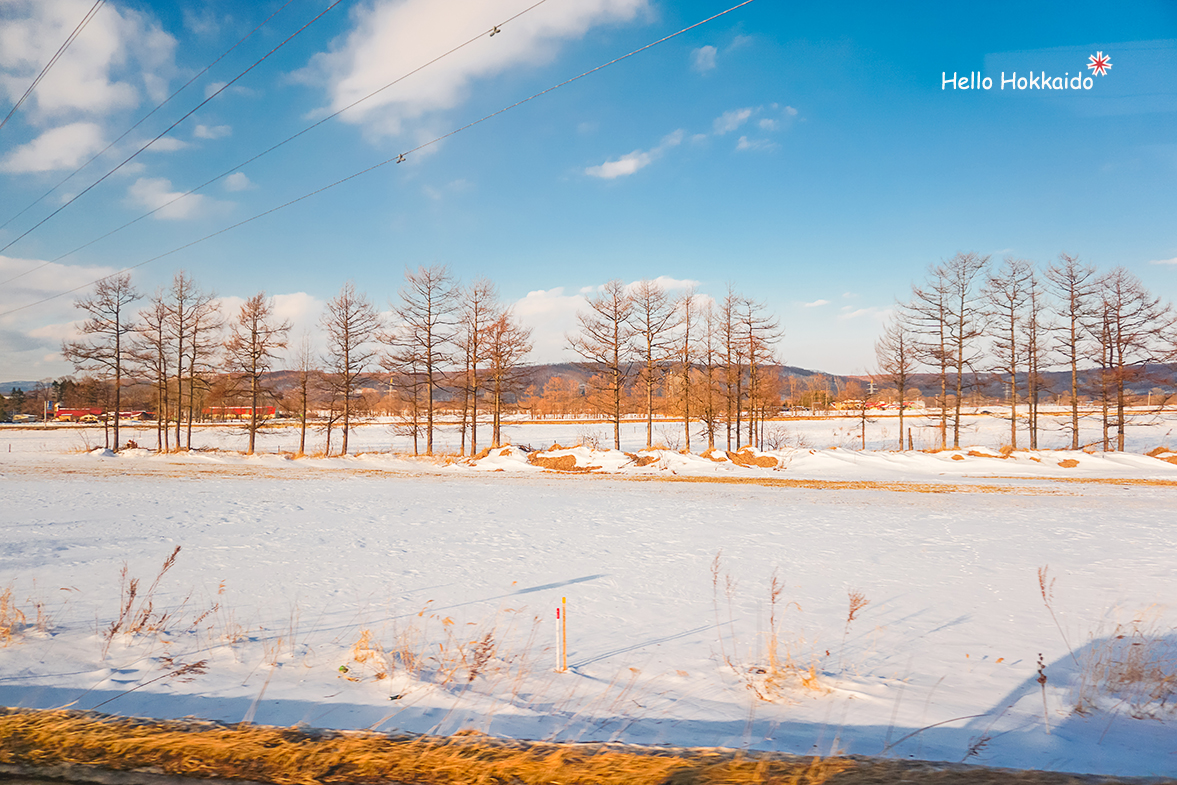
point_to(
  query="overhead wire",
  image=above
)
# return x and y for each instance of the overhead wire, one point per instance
(145, 117)
(399, 158)
(52, 60)
(492, 31)
(163, 133)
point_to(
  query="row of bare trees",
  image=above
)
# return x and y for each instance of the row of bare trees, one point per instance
(970, 318)
(179, 345)
(708, 356)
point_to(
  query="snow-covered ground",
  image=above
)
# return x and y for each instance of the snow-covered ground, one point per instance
(433, 585)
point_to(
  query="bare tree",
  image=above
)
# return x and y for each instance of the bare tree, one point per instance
(304, 367)
(928, 318)
(686, 351)
(151, 349)
(254, 339)
(895, 354)
(479, 309)
(426, 332)
(705, 382)
(652, 318)
(965, 323)
(1131, 323)
(733, 364)
(603, 342)
(351, 323)
(1037, 328)
(192, 318)
(205, 324)
(758, 332)
(508, 343)
(1073, 285)
(110, 326)
(1006, 292)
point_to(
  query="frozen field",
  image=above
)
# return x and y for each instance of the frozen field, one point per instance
(433, 586)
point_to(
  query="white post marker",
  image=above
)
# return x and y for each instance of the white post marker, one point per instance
(562, 635)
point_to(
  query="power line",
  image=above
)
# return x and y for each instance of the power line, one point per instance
(143, 119)
(60, 50)
(399, 158)
(492, 31)
(196, 108)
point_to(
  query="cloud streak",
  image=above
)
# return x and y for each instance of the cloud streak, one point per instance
(638, 159)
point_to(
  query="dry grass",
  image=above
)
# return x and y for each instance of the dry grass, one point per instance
(560, 463)
(12, 618)
(1135, 666)
(746, 458)
(641, 460)
(769, 670)
(137, 612)
(1068, 463)
(293, 757)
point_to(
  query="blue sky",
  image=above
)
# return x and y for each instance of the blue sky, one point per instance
(810, 156)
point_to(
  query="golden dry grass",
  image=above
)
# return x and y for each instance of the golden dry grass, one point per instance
(1068, 463)
(12, 618)
(560, 463)
(746, 458)
(290, 756)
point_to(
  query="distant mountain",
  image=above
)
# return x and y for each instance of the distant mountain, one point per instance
(7, 387)
(1157, 378)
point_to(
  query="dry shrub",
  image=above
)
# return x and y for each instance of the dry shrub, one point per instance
(560, 463)
(12, 618)
(1162, 454)
(1006, 450)
(1135, 666)
(746, 458)
(290, 756)
(1068, 463)
(641, 460)
(137, 613)
(770, 672)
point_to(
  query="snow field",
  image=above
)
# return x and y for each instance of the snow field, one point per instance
(429, 573)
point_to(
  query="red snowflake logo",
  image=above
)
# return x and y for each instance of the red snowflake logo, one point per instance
(1099, 63)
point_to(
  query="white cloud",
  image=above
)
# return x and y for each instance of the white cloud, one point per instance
(212, 132)
(238, 182)
(768, 124)
(638, 159)
(30, 340)
(64, 147)
(551, 315)
(389, 38)
(667, 283)
(167, 144)
(1165, 261)
(730, 121)
(121, 54)
(703, 59)
(156, 192)
(816, 304)
(850, 312)
(765, 145)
